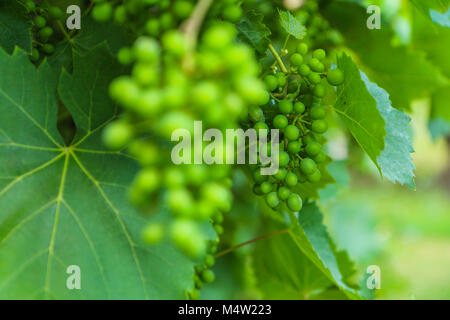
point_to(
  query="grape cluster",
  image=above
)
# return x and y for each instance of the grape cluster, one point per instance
(162, 95)
(320, 33)
(44, 17)
(163, 15)
(295, 110)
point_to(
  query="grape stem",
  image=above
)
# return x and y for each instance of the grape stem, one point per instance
(191, 27)
(278, 58)
(221, 253)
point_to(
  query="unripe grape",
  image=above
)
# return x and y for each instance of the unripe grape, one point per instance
(308, 166)
(296, 59)
(34, 55)
(182, 8)
(320, 158)
(193, 294)
(319, 126)
(145, 74)
(271, 82)
(153, 233)
(180, 202)
(316, 65)
(219, 36)
(219, 229)
(166, 21)
(291, 132)
(280, 174)
(280, 121)
(313, 148)
(314, 78)
(117, 135)
(207, 276)
(319, 91)
(315, 177)
(209, 261)
(283, 193)
(317, 112)
(232, 13)
(124, 90)
(120, 14)
(304, 70)
(281, 77)
(335, 77)
(40, 22)
(48, 48)
(272, 199)
(319, 54)
(285, 106)
(261, 125)
(266, 187)
(173, 41)
(152, 27)
(256, 114)
(291, 179)
(294, 147)
(55, 13)
(258, 177)
(102, 12)
(188, 238)
(302, 48)
(30, 5)
(299, 107)
(146, 50)
(294, 202)
(174, 178)
(283, 159)
(45, 32)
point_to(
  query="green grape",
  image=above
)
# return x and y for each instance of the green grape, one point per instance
(317, 112)
(34, 55)
(40, 22)
(166, 21)
(281, 77)
(280, 121)
(174, 178)
(266, 187)
(232, 13)
(219, 36)
(302, 48)
(152, 27)
(319, 126)
(307, 139)
(291, 132)
(320, 158)
(280, 174)
(285, 106)
(294, 202)
(294, 147)
(304, 70)
(258, 177)
(144, 74)
(55, 13)
(117, 135)
(335, 77)
(209, 261)
(30, 5)
(207, 276)
(296, 59)
(299, 107)
(219, 229)
(319, 91)
(283, 159)
(120, 14)
(316, 65)
(319, 54)
(260, 125)
(182, 8)
(153, 233)
(314, 78)
(315, 177)
(291, 179)
(308, 166)
(146, 50)
(257, 190)
(125, 56)
(48, 48)
(124, 90)
(272, 199)
(173, 41)
(45, 33)
(283, 193)
(313, 148)
(271, 82)
(187, 238)
(256, 114)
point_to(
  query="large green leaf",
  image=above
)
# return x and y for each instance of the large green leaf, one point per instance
(253, 31)
(291, 25)
(302, 263)
(382, 131)
(437, 11)
(15, 29)
(406, 75)
(67, 205)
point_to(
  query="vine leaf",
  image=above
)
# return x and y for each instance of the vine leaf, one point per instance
(382, 131)
(67, 205)
(253, 31)
(15, 29)
(437, 11)
(406, 75)
(439, 123)
(291, 25)
(304, 263)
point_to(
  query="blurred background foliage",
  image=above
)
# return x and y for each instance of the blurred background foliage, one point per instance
(405, 232)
